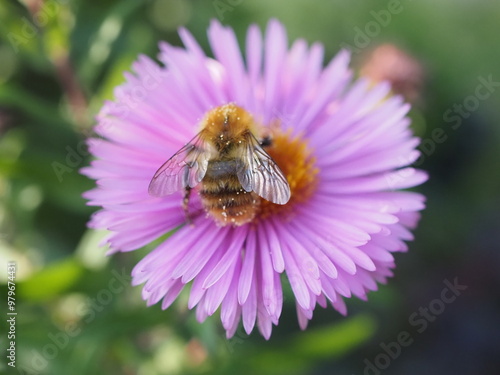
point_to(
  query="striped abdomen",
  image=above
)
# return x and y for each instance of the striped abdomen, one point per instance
(223, 197)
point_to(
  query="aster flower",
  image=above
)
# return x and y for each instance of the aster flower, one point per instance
(403, 71)
(343, 146)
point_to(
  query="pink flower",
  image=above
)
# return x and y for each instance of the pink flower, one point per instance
(343, 146)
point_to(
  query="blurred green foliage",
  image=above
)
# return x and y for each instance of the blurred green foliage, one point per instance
(60, 59)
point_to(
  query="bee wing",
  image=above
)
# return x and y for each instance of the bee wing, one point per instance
(186, 167)
(259, 173)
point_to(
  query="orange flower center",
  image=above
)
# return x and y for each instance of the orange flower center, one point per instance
(294, 158)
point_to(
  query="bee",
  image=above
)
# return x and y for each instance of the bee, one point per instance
(230, 165)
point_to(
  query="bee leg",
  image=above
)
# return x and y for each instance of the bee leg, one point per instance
(185, 203)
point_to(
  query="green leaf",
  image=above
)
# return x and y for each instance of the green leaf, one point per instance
(336, 339)
(322, 343)
(14, 96)
(51, 281)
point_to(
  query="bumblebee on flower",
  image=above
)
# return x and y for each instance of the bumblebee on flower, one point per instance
(308, 197)
(234, 168)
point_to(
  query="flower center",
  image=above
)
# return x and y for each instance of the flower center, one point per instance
(298, 165)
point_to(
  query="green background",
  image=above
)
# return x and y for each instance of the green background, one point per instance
(77, 313)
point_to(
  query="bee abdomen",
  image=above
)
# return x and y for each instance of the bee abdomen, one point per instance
(230, 206)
